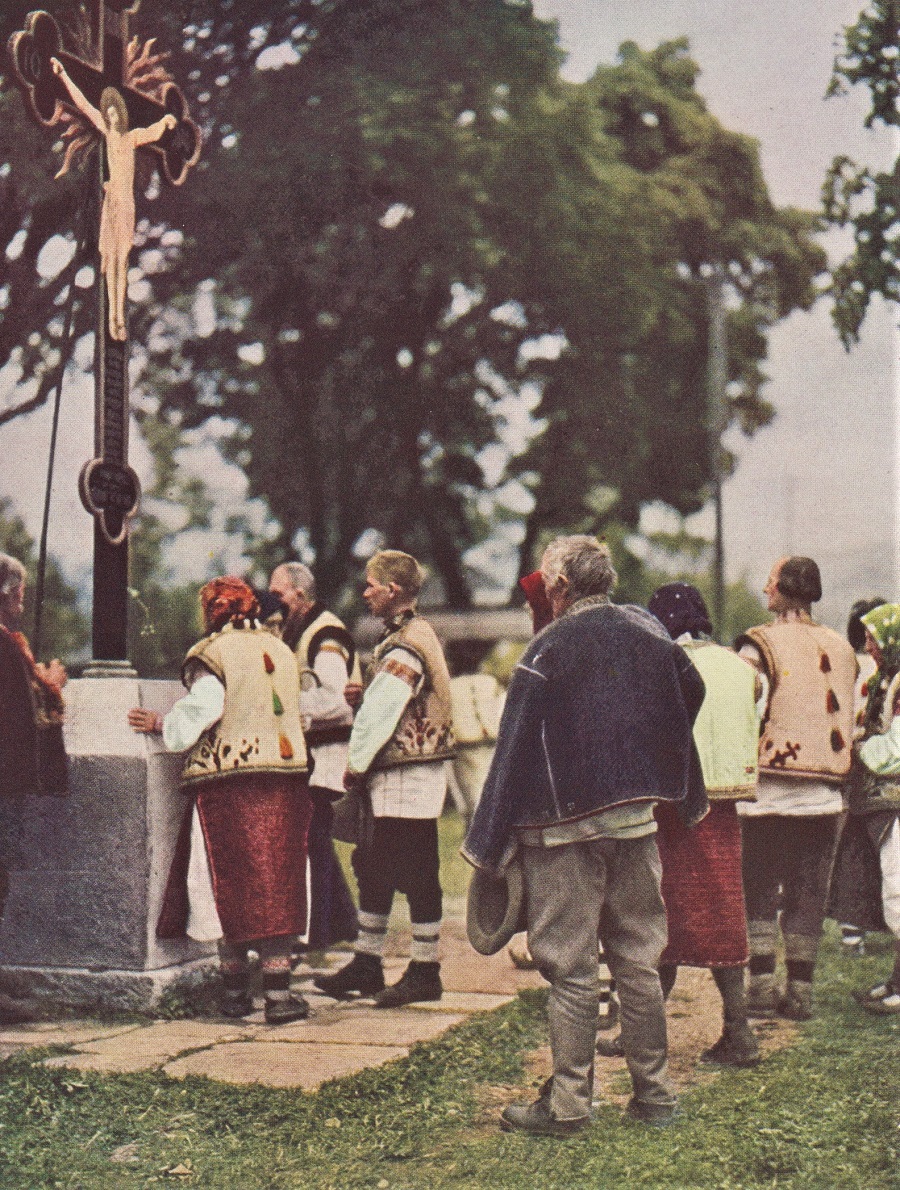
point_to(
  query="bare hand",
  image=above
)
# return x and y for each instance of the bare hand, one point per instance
(353, 780)
(169, 121)
(58, 67)
(54, 673)
(353, 694)
(145, 722)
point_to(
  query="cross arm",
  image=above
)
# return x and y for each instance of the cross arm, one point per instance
(77, 96)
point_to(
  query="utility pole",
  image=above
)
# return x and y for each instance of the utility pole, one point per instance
(717, 423)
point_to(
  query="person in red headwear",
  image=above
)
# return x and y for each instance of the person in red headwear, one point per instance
(236, 877)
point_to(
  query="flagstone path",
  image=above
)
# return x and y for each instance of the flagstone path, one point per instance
(343, 1037)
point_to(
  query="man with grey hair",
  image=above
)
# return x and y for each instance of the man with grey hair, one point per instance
(596, 729)
(326, 657)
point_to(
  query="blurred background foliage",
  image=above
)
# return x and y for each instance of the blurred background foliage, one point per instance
(427, 292)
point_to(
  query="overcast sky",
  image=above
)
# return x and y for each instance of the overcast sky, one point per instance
(821, 479)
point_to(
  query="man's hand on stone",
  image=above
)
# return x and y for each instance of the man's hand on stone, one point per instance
(145, 722)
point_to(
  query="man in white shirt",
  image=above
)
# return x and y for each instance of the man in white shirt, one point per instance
(401, 737)
(327, 661)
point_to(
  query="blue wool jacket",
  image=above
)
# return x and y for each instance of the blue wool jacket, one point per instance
(599, 714)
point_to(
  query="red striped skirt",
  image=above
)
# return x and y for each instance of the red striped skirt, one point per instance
(702, 887)
(255, 829)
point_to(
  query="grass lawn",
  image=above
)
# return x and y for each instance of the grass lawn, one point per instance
(822, 1114)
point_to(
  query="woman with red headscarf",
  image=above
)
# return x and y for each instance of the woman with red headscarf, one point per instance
(239, 871)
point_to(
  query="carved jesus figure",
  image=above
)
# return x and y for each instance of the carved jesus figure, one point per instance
(117, 215)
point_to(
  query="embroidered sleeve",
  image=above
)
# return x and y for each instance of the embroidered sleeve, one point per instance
(380, 711)
(405, 673)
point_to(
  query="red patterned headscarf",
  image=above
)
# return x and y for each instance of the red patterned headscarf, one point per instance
(227, 600)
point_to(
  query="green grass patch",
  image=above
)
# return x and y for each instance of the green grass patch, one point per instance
(822, 1115)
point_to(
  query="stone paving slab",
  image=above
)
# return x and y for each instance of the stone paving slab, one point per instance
(166, 1039)
(465, 1002)
(340, 1037)
(369, 1026)
(62, 1033)
(283, 1063)
(126, 1061)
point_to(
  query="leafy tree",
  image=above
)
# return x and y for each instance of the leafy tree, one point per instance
(381, 229)
(867, 201)
(627, 406)
(64, 627)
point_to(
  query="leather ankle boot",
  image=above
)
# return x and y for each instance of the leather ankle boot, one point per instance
(420, 981)
(362, 974)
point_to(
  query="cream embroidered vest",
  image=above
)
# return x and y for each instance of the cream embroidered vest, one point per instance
(808, 728)
(259, 731)
(425, 730)
(327, 632)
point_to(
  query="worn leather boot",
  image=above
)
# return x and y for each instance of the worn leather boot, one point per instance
(538, 1120)
(736, 1047)
(286, 1009)
(796, 1003)
(420, 981)
(762, 996)
(362, 974)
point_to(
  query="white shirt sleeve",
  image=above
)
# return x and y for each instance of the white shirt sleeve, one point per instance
(881, 753)
(324, 702)
(200, 708)
(750, 653)
(380, 711)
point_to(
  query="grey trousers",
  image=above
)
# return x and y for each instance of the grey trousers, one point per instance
(574, 892)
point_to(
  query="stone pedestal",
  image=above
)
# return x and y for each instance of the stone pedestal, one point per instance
(80, 922)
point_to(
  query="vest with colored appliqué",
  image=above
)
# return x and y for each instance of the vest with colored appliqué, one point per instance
(808, 728)
(726, 730)
(326, 632)
(259, 731)
(425, 730)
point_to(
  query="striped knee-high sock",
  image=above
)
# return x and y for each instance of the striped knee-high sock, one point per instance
(372, 933)
(424, 947)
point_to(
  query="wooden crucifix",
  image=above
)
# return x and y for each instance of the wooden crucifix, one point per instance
(116, 90)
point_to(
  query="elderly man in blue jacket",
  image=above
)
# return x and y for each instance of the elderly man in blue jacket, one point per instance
(596, 729)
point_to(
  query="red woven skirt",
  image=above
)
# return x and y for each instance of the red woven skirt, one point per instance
(255, 828)
(702, 887)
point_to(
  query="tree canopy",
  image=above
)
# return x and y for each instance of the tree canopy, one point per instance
(406, 225)
(867, 201)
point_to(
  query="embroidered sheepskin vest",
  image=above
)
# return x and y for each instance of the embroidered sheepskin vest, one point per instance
(325, 631)
(726, 730)
(259, 731)
(425, 730)
(808, 728)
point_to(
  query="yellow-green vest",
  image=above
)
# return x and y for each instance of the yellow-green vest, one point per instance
(726, 731)
(259, 731)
